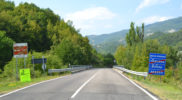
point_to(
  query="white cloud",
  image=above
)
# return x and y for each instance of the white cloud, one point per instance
(153, 19)
(147, 3)
(91, 18)
(98, 13)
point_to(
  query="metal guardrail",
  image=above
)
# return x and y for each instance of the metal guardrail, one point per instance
(145, 74)
(73, 68)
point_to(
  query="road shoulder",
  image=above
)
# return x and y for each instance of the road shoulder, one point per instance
(138, 85)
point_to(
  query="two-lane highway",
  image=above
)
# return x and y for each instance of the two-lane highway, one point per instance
(94, 84)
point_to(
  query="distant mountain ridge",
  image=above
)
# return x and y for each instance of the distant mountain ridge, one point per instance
(101, 42)
(98, 39)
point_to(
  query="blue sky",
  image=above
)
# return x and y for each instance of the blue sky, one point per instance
(94, 17)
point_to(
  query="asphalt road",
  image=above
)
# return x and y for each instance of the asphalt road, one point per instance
(94, 84)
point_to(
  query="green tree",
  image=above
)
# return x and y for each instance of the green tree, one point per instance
(120, 55)
(136, 60)
(135, 35)
(144, 58)
(131, 36)
(6, 5)
(6, 45)
(108, 60)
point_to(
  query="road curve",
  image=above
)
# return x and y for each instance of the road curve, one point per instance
(94, 84)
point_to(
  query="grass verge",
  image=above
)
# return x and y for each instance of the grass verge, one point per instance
(7, 85)
(163, 90)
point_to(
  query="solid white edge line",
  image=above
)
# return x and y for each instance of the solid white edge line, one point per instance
(149, 94)
(31, 86)
(79, 89)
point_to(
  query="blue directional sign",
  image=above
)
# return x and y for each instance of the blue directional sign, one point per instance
(157, 64)
(39, 61)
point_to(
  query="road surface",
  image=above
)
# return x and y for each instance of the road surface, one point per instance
(94, 84)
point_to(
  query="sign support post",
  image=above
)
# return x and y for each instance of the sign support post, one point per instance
(16, 68)
(33, 65)
(43, 66)
(42, 61)
(24, 62)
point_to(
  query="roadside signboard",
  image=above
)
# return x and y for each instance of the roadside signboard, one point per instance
(43, 67)
(25, 75)
(157, 64)
(39, 61)
(20, 50)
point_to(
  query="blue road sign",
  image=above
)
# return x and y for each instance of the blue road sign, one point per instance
(39, 61)
(157, 64)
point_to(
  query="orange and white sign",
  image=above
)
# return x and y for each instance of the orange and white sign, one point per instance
(20, 50)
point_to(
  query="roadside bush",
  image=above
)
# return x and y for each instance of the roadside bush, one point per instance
(180, 73)
(53, 61)
(168, 75)
(6, 44)
(10, 68)
(37, 73)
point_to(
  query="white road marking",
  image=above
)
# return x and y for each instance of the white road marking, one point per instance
(31, 86)
(149, 94)
(79, 89)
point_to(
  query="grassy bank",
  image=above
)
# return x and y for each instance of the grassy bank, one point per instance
(7, 85)
(165, 91)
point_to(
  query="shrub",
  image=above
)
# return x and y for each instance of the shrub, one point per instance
(37, 73)
(53, 61)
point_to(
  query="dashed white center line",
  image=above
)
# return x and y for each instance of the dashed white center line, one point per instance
(84, 84)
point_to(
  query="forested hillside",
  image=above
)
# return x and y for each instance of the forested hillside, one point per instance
(47, 34)
(100, 42)
(172, 39)
(135, 54)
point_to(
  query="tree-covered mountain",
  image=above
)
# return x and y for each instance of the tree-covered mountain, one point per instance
(171, 39)
(101, 42)
(47, 34)
(44, 31)
(107, 43)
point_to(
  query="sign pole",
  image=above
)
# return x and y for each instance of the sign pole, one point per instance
(24, 62)
(33, 65)
(43, 63)
(16, 68)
